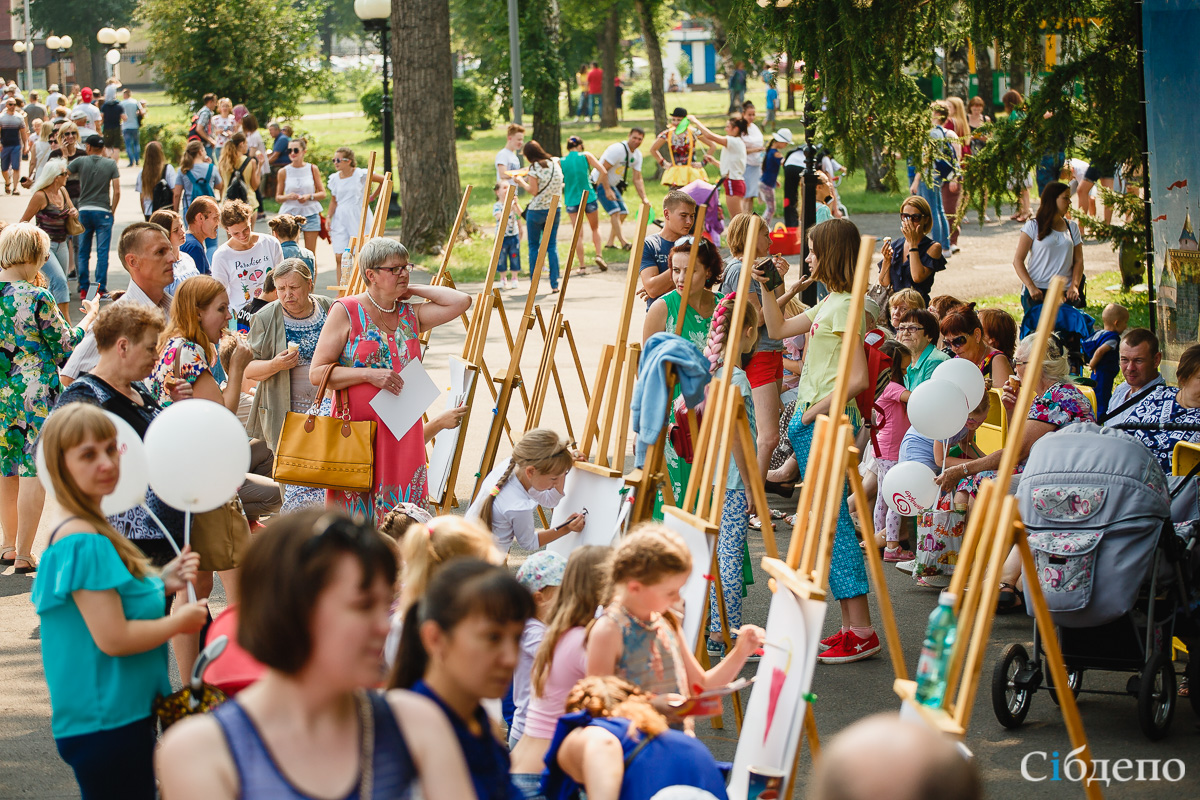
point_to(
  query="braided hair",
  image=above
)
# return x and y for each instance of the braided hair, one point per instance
(718, 331)
(541, 449)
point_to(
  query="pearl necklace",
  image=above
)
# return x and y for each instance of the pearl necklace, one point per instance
(382, 310)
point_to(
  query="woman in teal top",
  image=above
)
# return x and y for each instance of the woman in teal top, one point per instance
(663, 316)
(103, 629)
(577, 165)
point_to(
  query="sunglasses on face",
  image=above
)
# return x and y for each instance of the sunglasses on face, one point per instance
(957, 341)
(911, 217)
(294, 150)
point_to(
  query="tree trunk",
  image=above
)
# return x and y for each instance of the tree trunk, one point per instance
(426, 157)
(984, 77)
(876, 165)
(958, 73)
(658, 98)
(791, 93)
(610, 36)
(326, 33)
(543, 77)
(1016, 66)
(97, 69)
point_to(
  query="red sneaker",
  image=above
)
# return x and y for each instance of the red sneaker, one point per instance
(851, 648)
(832, 641)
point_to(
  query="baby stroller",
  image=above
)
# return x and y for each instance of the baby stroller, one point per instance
(1115, 574)
(1071, 327)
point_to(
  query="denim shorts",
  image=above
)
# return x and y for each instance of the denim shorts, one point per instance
(588, 209)
(312, 222)
(10, 157)
(612, 206)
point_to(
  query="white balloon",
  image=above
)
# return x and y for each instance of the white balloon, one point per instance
(198, 453)
(130, 490)
(908, 488)
(965, 375)
(936, 408)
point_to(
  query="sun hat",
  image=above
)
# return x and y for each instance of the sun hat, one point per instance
(543, 568)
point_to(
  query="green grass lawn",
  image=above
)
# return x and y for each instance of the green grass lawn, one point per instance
(1098, 296)
(476, 158)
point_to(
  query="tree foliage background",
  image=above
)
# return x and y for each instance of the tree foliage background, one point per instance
(81, 21)
(223, 47)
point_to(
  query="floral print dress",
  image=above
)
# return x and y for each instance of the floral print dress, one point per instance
(34, 340)
(401, 474)
(192, 364)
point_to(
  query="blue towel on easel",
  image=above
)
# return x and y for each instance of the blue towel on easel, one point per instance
(651, 402)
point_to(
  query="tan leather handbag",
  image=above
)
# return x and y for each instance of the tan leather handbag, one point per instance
(326, 452)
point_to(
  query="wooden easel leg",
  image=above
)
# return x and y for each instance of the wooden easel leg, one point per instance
(814, 747)
(593, 416)
(815, 470)
(587, 397)
(754, 480)
(621, 440)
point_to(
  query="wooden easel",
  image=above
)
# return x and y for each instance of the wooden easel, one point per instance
(557, 328)
(512, 376)
(994, 527)
(356, 283)
(832, 460)
(609, 408)
(442, 277)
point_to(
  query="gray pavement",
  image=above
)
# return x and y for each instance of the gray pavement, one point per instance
(30, 767)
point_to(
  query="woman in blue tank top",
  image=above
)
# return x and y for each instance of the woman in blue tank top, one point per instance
(316, 590)
(460, 646)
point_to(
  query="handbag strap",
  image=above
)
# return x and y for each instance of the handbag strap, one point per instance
(341, 396)
(366, 758)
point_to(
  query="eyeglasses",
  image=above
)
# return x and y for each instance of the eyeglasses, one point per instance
(294, 150)
(1020, 363)
(912, 217)
(908, 329)
(394, 270)
(64, 174)
(957, 341)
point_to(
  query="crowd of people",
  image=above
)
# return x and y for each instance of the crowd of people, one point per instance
(538, 684)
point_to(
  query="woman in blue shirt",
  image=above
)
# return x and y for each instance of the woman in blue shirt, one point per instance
(103, 630)
(460, 646)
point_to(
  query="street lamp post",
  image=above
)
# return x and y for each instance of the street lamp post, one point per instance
(60, 45)
(116, 41)
(376, 17)
(809, 199)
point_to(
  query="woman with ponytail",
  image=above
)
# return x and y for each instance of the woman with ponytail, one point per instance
(103, 631)
(460, 646)
(736, 509)
(534, 476)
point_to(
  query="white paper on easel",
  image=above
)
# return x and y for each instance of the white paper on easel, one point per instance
(774, 719)
(399, 412)
(462, 378)
(601, 496)
(695, 591)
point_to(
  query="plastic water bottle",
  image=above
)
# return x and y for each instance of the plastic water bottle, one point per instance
(935, 654)
(347, 263)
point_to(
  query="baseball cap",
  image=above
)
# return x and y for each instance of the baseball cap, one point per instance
(86, 95)
(95, 140)
(783, 135)
(543, 568)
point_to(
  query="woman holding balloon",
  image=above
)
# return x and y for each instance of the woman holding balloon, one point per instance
(101, 610)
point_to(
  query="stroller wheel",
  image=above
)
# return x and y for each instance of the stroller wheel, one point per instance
(1009, 701)
(1156, 696)
(1074, 681)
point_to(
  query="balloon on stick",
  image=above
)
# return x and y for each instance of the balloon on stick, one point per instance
(965, 375)
(937, 409)
(909, 487)
(198, 453)
(131, 486)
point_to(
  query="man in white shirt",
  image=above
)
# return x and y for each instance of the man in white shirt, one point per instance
(623, 162)
(508, 160)
(52, 99)
(753, 139)
(1140, 359)
(146, 253)
(83, 119)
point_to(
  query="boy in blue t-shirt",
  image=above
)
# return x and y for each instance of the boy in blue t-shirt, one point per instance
(772, 105)
(510, 248)
(1101, 348)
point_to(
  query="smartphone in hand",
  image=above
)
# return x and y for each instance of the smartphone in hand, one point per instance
(768, 268)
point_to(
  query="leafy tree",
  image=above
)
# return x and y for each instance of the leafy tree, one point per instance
(81, 21)
(220, 46)
(648, 12)
(337, 19)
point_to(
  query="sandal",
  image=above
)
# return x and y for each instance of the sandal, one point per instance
(755, 523)
(626, 246)
(784, 490)
(601, 263)
(5, 559)
(32, 565)
(1011, 600)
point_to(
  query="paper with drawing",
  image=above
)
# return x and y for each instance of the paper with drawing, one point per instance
(399, 412)
(695, 591)
(602, 498)
(462, 378)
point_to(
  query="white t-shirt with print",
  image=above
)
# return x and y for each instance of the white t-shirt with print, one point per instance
(243, 272)
(614, 159)
(1053, 255)
(733, 158)
(754, 138)
(508, 161)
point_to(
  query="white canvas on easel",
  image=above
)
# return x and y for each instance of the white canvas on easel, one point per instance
(774, 718)
(695, 591)
(462, 379)
(601, 495)
(399, 412)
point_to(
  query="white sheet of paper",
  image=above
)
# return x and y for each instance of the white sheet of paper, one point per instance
(462, 378)
(601, 497)
(400, 412)
(695, 591)
(784, 676)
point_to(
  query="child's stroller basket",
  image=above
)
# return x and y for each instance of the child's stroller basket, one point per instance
(1094, 503)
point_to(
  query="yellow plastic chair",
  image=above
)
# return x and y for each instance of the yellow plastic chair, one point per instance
(1184, 457)
(1089, 393)
(992, 433)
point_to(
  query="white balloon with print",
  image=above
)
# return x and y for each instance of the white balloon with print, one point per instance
(964, 374)
(937, 409)
(909, 487)
(198, 453)
(130, 490)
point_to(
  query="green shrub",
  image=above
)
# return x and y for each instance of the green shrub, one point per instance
(371, 100)
(640, 100)
(171, 135)
(318, 152)
(471, 109)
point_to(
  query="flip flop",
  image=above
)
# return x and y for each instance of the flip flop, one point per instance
(1011, 600)
(5, 559)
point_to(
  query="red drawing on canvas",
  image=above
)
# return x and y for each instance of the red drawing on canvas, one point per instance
(778, 679)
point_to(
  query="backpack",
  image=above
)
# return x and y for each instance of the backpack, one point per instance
(194, 128)
(201, 187)
(237, 185)
(162, 196)
(879, 375)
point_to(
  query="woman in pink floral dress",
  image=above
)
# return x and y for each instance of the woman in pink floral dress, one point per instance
(369, 338)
